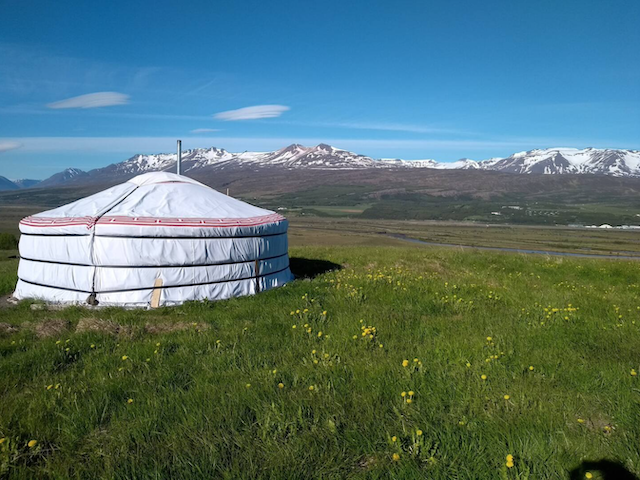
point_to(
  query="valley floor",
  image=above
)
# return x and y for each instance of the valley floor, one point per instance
(387, 361)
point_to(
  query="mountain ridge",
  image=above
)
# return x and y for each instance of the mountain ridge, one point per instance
(550, 161)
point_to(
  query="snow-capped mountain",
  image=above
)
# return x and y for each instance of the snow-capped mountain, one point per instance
(70, 174)
(551, 161)
(554, 161)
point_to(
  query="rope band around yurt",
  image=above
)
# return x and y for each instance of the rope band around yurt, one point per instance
(138, 289)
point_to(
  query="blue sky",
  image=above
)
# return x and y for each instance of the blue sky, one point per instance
(414, 79)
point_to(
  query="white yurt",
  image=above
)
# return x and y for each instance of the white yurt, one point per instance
(158, 239)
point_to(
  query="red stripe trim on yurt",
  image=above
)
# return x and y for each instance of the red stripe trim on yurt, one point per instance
(151, 221)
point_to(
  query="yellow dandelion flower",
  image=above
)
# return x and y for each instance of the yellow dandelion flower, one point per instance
(506, 397)
(468, 365)
(293, 313)
(324, 313)
(294, 326)
(588, 475)
(297, 311)
(32, 443)
(509, 458)
(58, 342)
(49, 387)
(419, 433)
(305, 310)
(393, 439)
(313, 352)
(124, 357)
(355, 337)
(93, 345)
(411, 394)
(311, 388)
(380, 345)
(409, 400)
(319, 334)
(580, 420)
(130, 401)
(489, 339)
(274, 371)
(633, 373)
(531, 367)
(281, 385)
(395, 457)
(405, 363)
(483, 377)
(415, 360)
(248, 385)
(158, 344)
(403, 394)
(2, 440)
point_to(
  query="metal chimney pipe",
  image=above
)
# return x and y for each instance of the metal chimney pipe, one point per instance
(179, 162)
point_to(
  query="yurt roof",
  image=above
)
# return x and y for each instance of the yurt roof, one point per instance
(158, 195)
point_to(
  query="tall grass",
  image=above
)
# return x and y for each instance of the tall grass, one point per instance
(237, 392)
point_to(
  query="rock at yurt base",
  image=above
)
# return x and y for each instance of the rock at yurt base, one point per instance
(159, 238)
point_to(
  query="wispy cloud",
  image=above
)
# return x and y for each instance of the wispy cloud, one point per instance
(130, 145)
(255, 112)
(92, 100)
(393, 127)
(8, 145)
(205, 130)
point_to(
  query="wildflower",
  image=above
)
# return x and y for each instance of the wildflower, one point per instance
(633, 373)
(297, 311)
(158, 344)
(411, 393)
(415, 360)
(509, 461)
(2, 440)
(311, 388)
(324, 313)
(395, 457)
(130, 401)
(409, 400)
(248, 385)
(124, 357)
(405, 363)
(393, 439)
(319, 334)
(489, 339)
(468, 365)
(57, 386)
(293, 313)
(355, 337)
(148, 360)
(580, 420)
(419, 433)
(507, 397)
(483, 376)
(49, 387)
(403, 394)
(281, 385)
(274, 371)
(531, 368)
(58, 342)
(155, 351)
(313, 352)
(380, 345)
(305, 310)
(588, 475)
(93, 345)
(32, 443)
(293, 326)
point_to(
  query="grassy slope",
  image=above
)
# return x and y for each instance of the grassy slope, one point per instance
(193, 415)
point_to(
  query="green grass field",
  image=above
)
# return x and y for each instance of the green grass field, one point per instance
(495, 354)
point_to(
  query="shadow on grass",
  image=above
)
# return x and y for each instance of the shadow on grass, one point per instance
(608, 470)
(310, 268)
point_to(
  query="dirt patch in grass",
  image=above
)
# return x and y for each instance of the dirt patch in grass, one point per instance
(108, 327)
(168, 327)
(51, 327)
(7, 329)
